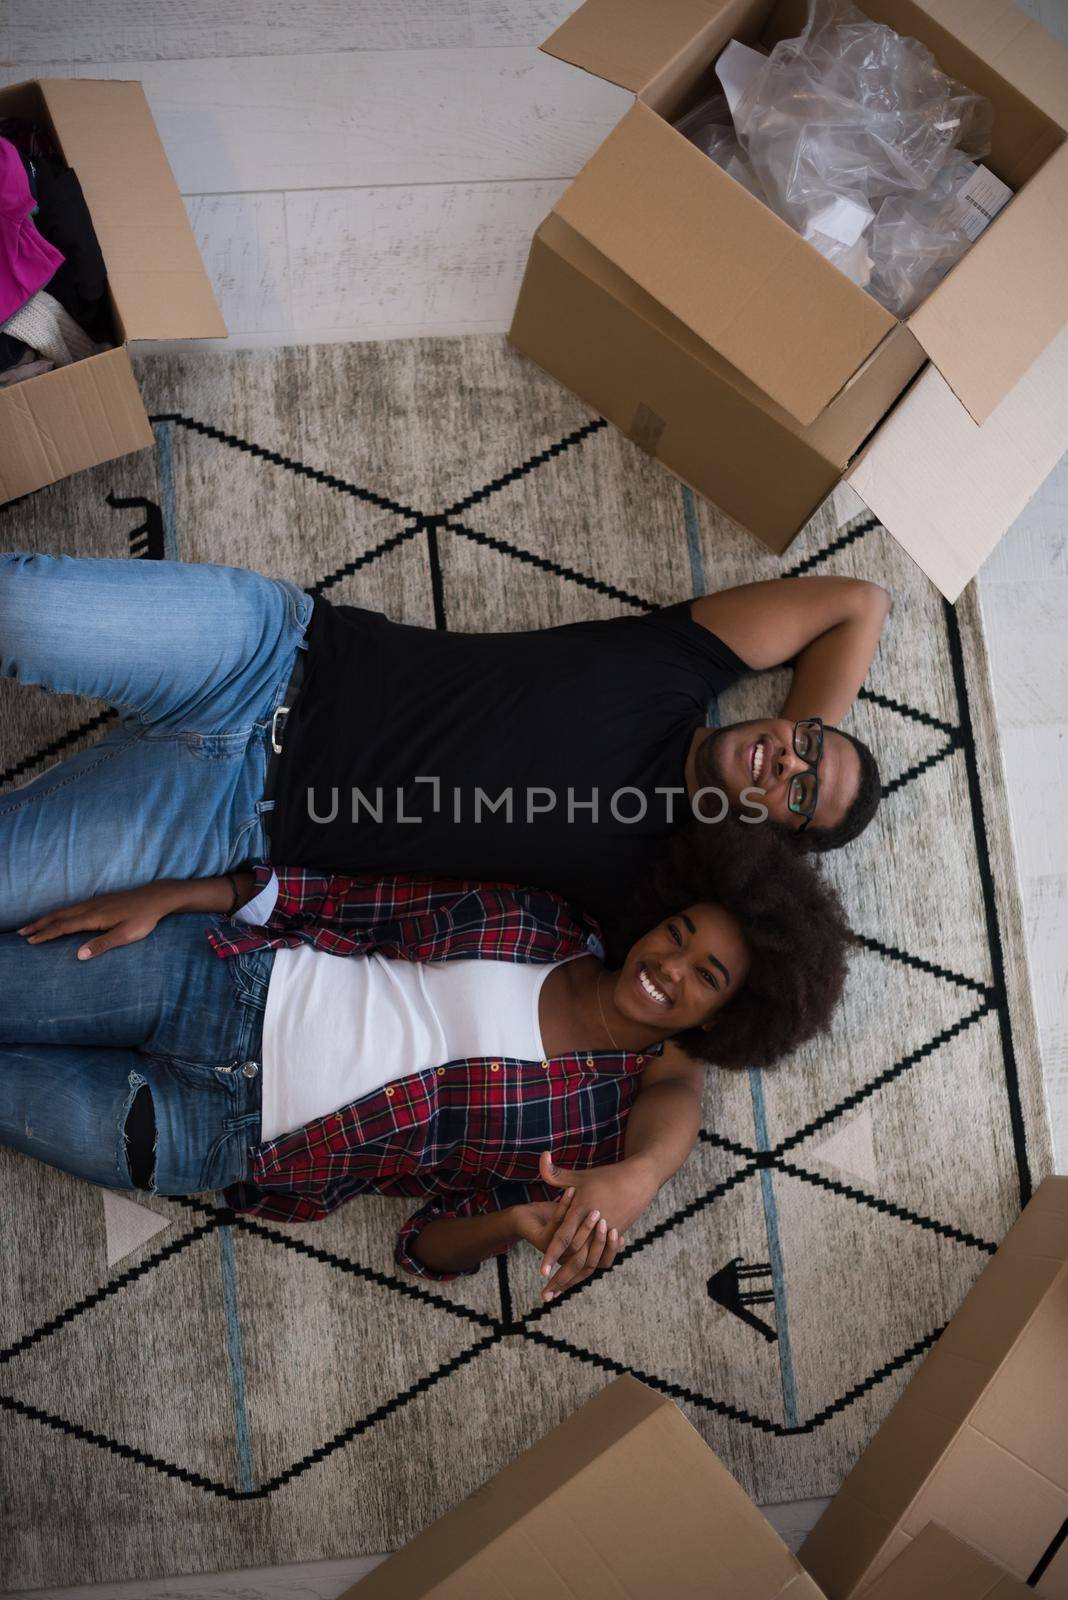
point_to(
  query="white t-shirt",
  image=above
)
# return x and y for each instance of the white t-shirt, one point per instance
(337, 1027)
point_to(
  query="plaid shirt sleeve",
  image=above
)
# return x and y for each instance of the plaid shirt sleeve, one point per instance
(344, 915)
(286, 1206)
(411, 918)
(473, 1203)
(283, 1205)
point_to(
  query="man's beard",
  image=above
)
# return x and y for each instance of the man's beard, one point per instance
(706, 765)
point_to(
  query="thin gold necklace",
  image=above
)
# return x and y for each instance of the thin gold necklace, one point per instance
(600, 1008)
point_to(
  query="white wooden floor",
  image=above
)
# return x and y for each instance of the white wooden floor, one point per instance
(363, 169)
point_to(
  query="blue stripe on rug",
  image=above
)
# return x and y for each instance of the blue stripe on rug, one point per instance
(693, 540)
(242, 1432)
(756, 1082)
(165, 457)
(778, 1276)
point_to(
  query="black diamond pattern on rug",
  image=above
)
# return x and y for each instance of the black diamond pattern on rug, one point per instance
(725, 1247)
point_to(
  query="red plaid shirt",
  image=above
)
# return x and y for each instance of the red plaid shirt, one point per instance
(467, 1135)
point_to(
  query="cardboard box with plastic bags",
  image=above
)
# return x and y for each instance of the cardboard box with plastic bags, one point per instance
(676, 304)
(91, 411)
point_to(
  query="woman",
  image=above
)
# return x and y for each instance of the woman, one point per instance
(480, 1030)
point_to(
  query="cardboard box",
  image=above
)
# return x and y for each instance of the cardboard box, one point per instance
(624, 1498)
(91, 411)
(720, 341)
(978, 1442)
(936, 1566)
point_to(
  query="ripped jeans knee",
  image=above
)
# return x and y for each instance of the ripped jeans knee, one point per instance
(139, 1131)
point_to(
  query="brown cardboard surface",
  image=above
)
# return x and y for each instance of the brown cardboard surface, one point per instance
(1053, 1582)
(990, 1498)
(947, 487)
(614, 346)
(622, 1498)
(724, 264)
(998, 1478)
(628, 41)
(67, 420)
(1033, 1385)
(1007, 299)
(157, 279)
(856, 410)
(689, 73)
(661, 393)
(1016, 47)
(938, 1566)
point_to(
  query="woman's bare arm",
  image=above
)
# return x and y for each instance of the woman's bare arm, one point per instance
(455, 1244)
(662, 1129)
(131, 914)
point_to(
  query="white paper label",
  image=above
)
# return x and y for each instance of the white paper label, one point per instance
(736, 69)
(980, 200)
(843, 220)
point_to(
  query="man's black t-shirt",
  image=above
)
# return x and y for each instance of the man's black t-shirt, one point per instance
(497, 743)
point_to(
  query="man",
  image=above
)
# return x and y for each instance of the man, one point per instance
(565, 757)
(256, 722)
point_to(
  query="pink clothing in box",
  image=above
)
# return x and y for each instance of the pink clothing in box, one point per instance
(27, 261)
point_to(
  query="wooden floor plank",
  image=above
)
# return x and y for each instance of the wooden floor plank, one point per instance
(445, 256)
(243, 243)
(309, 1580)
(371, 118)
(131, 30)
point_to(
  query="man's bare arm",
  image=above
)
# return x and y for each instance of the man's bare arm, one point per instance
(832, 627)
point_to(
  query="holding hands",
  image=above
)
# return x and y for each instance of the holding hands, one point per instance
(584, 1230)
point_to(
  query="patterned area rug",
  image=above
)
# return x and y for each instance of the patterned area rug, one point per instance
(184, 1391)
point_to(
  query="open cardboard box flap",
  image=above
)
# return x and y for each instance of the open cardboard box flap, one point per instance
(157, 280)
(624, 1497)
(67, 420)
(988, 321)
(947, 487)
(694, 253)
(937, 1566)
(628, 41)
(1020, 50)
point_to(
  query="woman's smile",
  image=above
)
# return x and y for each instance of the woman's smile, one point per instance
(653, 992)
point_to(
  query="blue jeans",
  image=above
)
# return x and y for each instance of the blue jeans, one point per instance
(80, 1039)
(195, 659)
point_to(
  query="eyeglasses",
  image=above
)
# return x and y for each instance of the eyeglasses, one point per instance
(804, 791)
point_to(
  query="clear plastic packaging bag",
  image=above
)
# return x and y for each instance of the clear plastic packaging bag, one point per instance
(915, 239)
(854, 135)
(710, 127)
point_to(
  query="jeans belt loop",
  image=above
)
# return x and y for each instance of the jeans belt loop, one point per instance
(277, 722)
